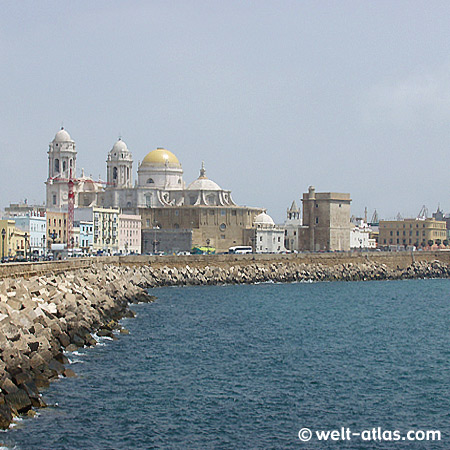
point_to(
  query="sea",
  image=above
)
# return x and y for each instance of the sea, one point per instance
(329, 365)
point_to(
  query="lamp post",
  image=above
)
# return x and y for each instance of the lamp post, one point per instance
(43, 246)
(3, 244)
(26, 237)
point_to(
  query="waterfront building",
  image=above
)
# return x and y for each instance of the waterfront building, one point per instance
(7, 227)
(326, 221)
(168, 241)
(56, 227)
(212, 226)
(159, 195)
(105, 227)
(35, 226)
(129, 234)
(291, 226)
(360, 236)
(86, 235)
(411, 232)
(269, 238)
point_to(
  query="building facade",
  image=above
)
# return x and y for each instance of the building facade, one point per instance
(56, 228)
(269, 238)
(105, 227)
(86, 236)
(35, 226)
(411, 232)
(129, 234)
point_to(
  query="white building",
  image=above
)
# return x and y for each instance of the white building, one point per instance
(129, 234)
(360, 236)
(159, 180)
(269, 238)
(105, 227)
(35, 226)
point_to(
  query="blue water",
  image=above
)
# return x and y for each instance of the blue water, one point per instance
(246, 367)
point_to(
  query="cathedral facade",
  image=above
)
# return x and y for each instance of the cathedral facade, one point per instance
(159, 194)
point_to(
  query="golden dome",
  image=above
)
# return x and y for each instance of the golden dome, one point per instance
(161, 156)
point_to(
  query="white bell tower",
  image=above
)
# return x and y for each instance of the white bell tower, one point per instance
(62, 161)
(119, 166)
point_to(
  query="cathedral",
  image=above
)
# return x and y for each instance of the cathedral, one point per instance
(159, 187)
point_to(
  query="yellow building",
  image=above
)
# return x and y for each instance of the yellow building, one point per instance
(411, 232)
(56, 227)
(15, 241)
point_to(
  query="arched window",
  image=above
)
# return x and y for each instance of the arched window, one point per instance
(148, 200)
(114, 173)
(70, 163)
(56, 165)
(150, 181)
(64, 166)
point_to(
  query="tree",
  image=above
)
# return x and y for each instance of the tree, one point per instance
(445, 242)
(438, 242)
(430, 242)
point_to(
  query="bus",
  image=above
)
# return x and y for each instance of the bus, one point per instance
(240, 250)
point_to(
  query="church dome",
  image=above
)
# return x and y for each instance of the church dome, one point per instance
(263, 219)
(204, 184)
(161, 157)
(62, 136)
(120, 146)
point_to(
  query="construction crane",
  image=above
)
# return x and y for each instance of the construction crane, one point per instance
(71, 203)
(375, 219)
(423, 213)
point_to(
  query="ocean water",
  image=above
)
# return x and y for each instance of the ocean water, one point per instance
(247, 367)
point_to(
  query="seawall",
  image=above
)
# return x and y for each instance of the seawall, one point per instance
(49, 308)
(390, 259)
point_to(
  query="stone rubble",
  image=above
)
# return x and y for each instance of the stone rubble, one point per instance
(44, 316)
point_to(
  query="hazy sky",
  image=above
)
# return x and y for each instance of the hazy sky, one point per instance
(274, 96)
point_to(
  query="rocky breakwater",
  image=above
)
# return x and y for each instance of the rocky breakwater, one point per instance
(43, 316)
(284, 272)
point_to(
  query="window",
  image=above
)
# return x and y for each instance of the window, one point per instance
(54, 201)
(114, 173)
(64, 166)
(56, 165)
(150, 181)
(317, 220)
(222, 212)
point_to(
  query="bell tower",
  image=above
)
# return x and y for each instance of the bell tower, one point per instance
(119, 166)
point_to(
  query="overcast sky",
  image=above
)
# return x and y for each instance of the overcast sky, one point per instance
(274, 96)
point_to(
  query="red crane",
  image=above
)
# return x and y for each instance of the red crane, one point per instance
(71, 203)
